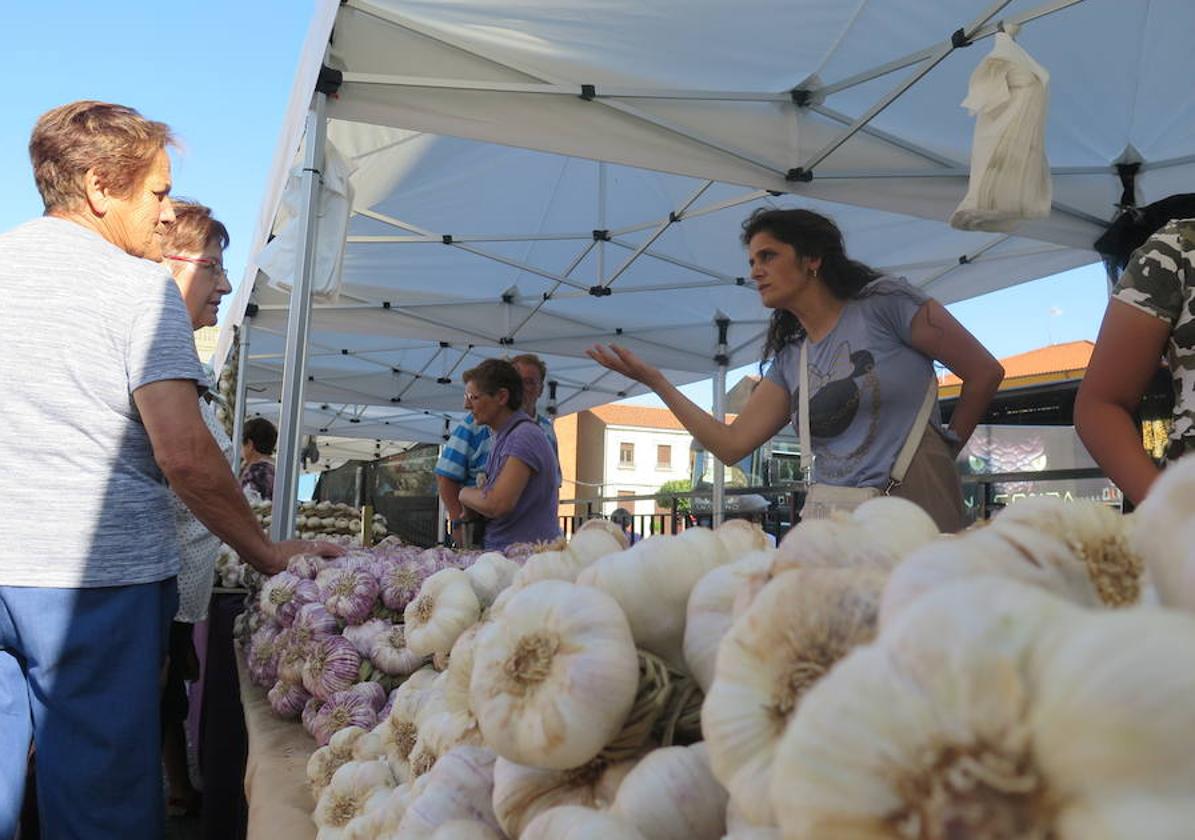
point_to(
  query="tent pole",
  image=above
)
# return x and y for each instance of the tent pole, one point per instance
(294, 376)
(721, 360)
(238, 414)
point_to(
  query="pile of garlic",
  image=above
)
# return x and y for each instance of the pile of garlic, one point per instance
(869, 678)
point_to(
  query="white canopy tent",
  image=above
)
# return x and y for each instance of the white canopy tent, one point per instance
(539, 176)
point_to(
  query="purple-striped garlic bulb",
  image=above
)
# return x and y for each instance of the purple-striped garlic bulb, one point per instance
(384, 712)
(331, 666)
(310, 710)
(313, 622)
(371, 691)
(263, 656)
(362, 635)
(349, 593)
(276, 592)
(306, 566)
(306, 592)
(291, 656)
(391, 655)
(344, 708)
(401, 579)
(288, 699)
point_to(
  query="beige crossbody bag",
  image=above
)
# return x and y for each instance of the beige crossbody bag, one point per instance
(821, 500)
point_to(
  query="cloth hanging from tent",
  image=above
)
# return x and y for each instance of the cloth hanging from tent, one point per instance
(1010, 176)
(279, 258)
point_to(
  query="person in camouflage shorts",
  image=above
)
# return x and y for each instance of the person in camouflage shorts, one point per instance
(1151, 313)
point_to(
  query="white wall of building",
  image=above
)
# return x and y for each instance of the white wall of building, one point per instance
(644, 475)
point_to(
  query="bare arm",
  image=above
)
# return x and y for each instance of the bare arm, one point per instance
(450, 494)
(937, 334)
(765, 414)
(199, 475)
(501, 498)
(1126, 357)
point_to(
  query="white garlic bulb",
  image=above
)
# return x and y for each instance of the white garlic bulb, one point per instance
(1014, 551)
(1159, 533)
(992, 709)
(554, 676)
(345, 796)
(591, 544)
(599, 524)
(797, 628)
(573, 822)
(465, 830)
(1097, 536)
(652, 581)
(876, 535)
(547, 565)
(709, 613)
(490, 574)
(672, 795)
(444, 608)
(460, 786)
(522, 793)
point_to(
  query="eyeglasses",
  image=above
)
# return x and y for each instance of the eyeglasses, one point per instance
(474, 397)
(216, 268)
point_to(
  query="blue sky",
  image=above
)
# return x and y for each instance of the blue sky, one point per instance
(220, 74)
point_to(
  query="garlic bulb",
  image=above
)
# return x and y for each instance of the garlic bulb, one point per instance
(709, 613)
(366, 825)
(739, 828)
(876, 535)
(1014, 551)
(465, 830)
(992, 709)
(672, 795)
(1095, 533)
(1159, 533)
(389, 652)
(555, 676)
(600, 524)
(409, 701)
(460, 786)
(522, 793)
(547, 565)
(444, 608)
(797, 628)
(739, 538)
(591, 544)
(573, 822)
(490, 574)
(345, 796)
(652, 581)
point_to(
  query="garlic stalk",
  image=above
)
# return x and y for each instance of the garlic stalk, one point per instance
(554, 676)
(672, 795)
(798, 627)
(444, 608)
(522, 793)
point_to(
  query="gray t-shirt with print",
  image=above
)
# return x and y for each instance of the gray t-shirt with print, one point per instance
(868, 384)
(82, 326)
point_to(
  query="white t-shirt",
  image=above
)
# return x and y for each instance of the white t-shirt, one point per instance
(199, 546)
(82, 326)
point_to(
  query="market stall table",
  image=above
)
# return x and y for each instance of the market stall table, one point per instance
(280, 802)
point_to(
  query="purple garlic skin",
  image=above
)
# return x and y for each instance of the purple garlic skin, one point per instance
(331, 667)
(262, 658)
(373, 692)
(349, 593)
(306, 566)
(310, 710)
(362, 635)
(344, 708)
(276, 592)
(288, 700)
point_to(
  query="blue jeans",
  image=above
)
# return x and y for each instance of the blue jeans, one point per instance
(79, 674)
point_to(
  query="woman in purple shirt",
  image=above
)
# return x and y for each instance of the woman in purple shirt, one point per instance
(518, 493)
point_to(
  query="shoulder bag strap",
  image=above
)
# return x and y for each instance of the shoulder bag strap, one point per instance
(803, 414)
(905, 457)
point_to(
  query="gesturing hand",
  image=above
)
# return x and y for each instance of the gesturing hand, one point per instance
(622, 360)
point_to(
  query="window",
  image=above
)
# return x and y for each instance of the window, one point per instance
(663, 456)
(626, 454)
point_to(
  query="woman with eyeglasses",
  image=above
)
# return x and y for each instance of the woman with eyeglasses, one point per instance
(518, 495)
(193, 250)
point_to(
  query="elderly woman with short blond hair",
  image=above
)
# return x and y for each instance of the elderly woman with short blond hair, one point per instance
(101, 423)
